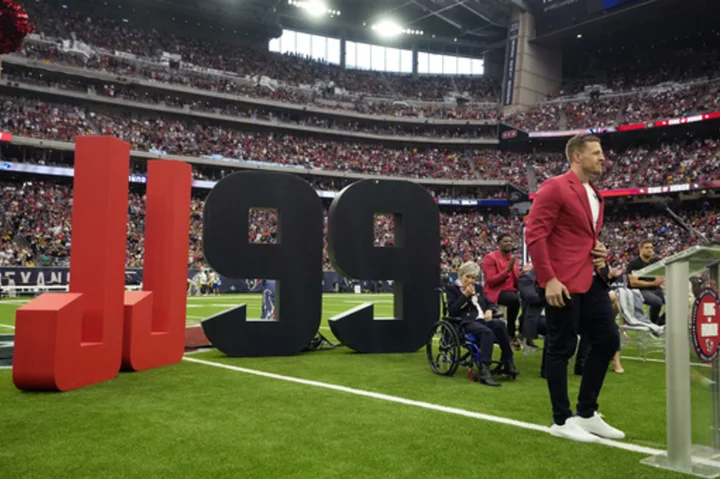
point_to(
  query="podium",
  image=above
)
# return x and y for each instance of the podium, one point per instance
(682, 455)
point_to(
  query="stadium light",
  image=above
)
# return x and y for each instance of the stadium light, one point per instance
(314, 8)
(389, 28)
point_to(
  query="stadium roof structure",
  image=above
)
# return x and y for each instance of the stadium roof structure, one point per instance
(631, 21)
(450, 23)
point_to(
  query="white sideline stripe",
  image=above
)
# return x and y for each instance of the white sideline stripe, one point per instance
(198, 351)
(421, 404)
(195, 317)
(6, 326)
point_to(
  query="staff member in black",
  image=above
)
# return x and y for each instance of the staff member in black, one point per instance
(468, 302)
(650, 288)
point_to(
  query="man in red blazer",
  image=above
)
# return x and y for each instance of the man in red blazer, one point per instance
(562, 239)
(502, 271)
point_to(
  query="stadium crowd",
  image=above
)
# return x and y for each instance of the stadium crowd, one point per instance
(678, 161)
(61, 122)
(35, 215)
(649, 104)
(237, 110)
(112, 34)
(635, 89)
(37, 230)
(686, 160)
(42, 157)
(205, 81)
(660, 103)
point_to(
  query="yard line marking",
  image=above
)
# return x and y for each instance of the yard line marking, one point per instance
(360, 300)
(255, 296)
(421, 404)
(195, 317)
(6, 326)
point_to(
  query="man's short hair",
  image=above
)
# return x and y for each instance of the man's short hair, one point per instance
(502, 236)
(577, 143)
(644, 242)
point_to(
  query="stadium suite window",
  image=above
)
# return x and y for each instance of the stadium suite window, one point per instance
(333, 51)
(377, 58)
(303, 44)
(392, 60)
(350, 55)
(363, 51)
(434, 64)
(363, 56)
(317, 47)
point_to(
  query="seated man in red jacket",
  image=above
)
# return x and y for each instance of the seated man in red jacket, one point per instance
(502, 272)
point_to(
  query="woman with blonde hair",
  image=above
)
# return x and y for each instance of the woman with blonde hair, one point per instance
(468, 302)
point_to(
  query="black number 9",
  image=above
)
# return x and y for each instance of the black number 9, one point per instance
(413, 264)
(296, 262)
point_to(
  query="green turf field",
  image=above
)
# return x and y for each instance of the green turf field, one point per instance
(200, 419)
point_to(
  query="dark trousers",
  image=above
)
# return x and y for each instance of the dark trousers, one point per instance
(590, 313)
(655, 298)
(487, 333)
(511, 300)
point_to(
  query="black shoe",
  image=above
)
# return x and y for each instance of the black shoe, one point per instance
(486, 378)
(506, 368)
(509, 369)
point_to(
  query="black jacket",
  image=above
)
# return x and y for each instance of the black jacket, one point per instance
(532, 297)
(530, 292)
(460, 306)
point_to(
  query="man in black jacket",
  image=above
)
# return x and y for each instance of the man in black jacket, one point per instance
(533, 303)
(468, 302)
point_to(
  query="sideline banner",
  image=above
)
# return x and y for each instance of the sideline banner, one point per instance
(332, 281)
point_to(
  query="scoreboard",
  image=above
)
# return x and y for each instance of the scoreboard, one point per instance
(553, 15)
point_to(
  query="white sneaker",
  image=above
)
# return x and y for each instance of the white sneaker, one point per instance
(596, 425)
(571, 431)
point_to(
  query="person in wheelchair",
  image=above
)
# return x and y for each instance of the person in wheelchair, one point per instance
(467, 302)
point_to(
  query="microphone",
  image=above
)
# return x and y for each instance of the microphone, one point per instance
(665, 208)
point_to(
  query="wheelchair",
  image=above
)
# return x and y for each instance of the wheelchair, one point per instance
(449, 347)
